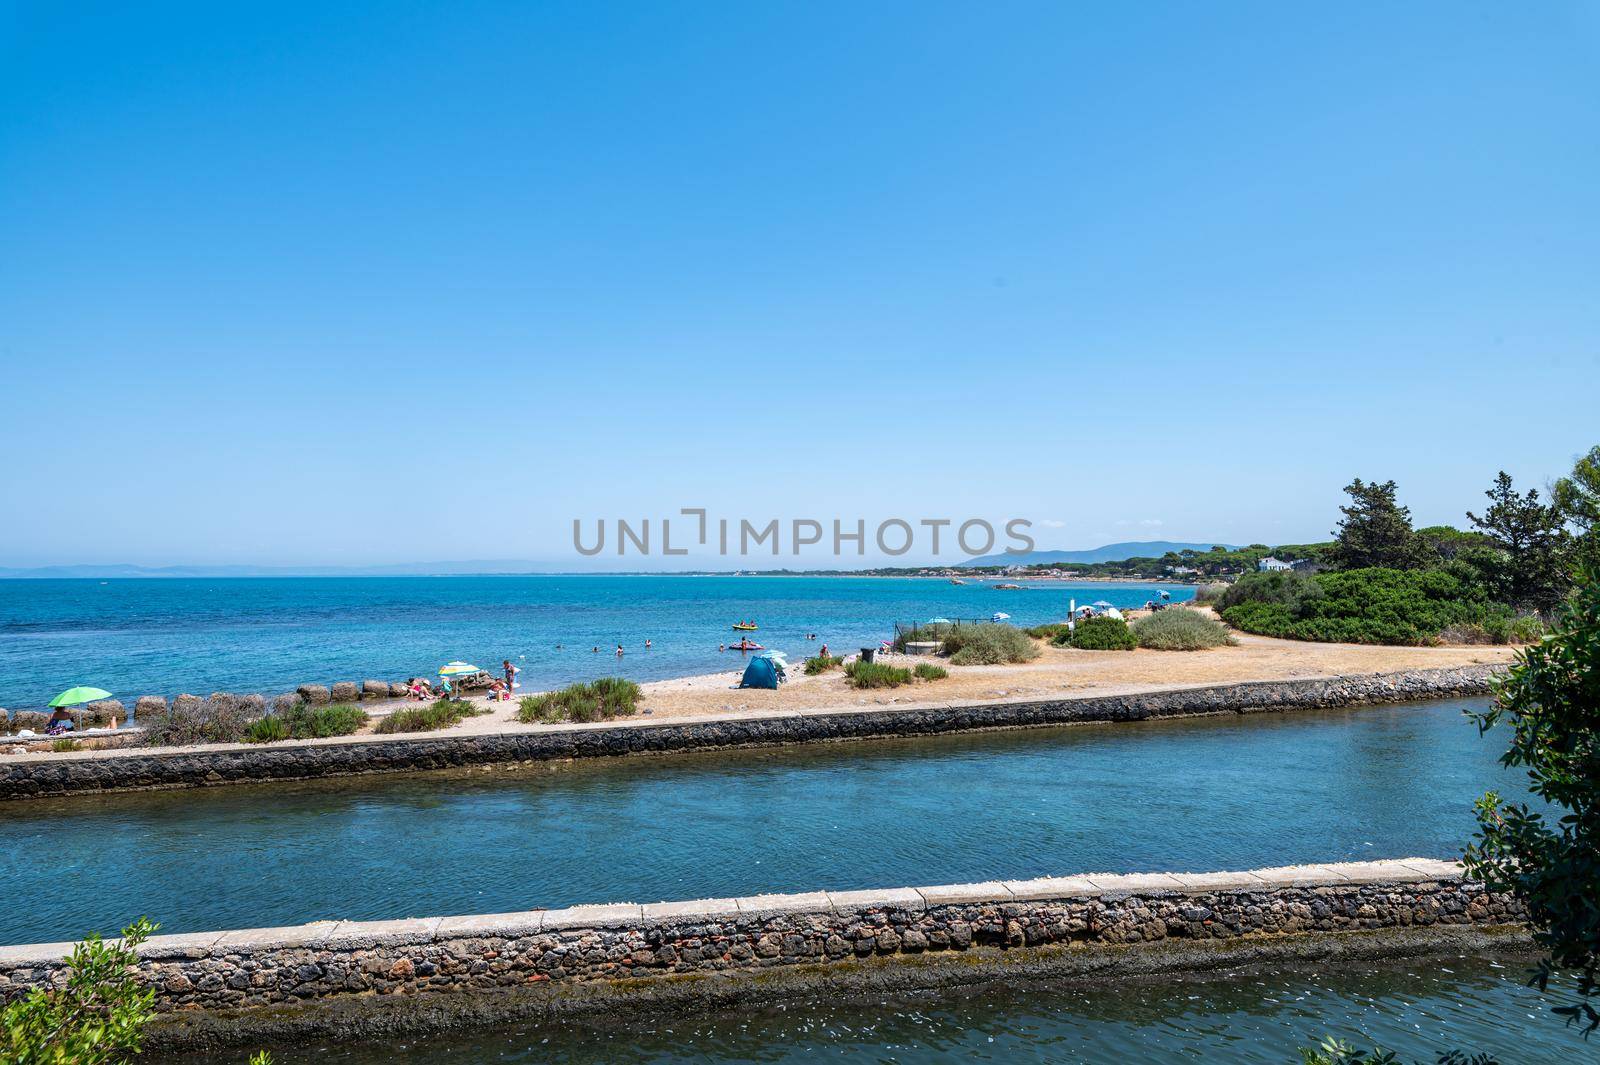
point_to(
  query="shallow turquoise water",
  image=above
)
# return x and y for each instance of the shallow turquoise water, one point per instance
(1418, 1009)
(269, 634)
(1219, 793)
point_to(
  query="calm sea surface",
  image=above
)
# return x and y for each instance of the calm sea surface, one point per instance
(160, 637)
(1216, 793)
(1418, 1009)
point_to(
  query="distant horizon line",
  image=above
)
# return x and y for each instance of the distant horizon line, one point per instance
(509, 567)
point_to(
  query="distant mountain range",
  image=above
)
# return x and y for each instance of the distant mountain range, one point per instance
(1107, 553)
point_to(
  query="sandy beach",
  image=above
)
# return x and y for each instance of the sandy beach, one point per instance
(1056, 672)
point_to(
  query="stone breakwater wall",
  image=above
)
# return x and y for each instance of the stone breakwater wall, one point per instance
(414, 964)
(37, 776)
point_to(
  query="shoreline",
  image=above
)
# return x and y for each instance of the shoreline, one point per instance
(28, 776)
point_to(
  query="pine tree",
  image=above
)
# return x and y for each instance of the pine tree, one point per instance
(1376, 530)
(1535, 543)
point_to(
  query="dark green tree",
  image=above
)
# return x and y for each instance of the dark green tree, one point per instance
(1577, 497)
(1534, 541)
(1376, 530)
(1551, 861)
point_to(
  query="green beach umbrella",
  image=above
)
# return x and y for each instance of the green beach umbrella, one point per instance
(456, 668)
(74, 696)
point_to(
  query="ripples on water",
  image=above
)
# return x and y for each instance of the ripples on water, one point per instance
(1418, 1009)
(163, 636)
(1217, 793)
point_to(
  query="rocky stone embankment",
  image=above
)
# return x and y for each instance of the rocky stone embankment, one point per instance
(177, 768)
(270, 979)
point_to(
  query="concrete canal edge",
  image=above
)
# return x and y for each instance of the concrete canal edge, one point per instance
(34, 776)
(368, 978)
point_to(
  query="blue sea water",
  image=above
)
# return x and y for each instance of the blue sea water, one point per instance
(268, 634)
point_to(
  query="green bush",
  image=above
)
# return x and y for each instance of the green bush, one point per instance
(1178, 629)
(1209, 594)
(63, 744)
(988, 645)
(306, 723)
(822, 664)
(876, 675)
(1099, 634)
(95, 1015)
(269, 729)
(1385, 606)
(598, 700)
(1281, 587)
(429, 717)
(929, 671)
(1047, 632)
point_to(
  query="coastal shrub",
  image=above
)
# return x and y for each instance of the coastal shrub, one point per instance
(63, 744)
(305, 723)
(429, 716)
(269, 729)
(822, 664)
(1383, 606)
(94, 1013)
(929, 671)
(1100, 634)
(1049, 631)
(1282, 587)
(189, 720)
(1178, 629)
(876, 675)
(988, 645)
(598, 700)
(1209, 594)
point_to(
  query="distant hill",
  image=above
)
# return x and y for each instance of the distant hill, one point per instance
(1107, 553)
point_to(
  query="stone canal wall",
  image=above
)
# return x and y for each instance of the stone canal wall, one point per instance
(31, 776)
(280, 979)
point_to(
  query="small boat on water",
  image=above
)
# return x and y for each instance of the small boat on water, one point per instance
(745, 626)
(957, 580)
(746, 645)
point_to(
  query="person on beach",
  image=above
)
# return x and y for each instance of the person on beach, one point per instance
(445, 691)
(59, 722)
(824, 651)
(498, 692)
(511, 674)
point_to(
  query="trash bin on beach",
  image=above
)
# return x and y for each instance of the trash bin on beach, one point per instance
(867, 653)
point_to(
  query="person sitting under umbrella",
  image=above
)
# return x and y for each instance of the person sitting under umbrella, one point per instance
(60, 721)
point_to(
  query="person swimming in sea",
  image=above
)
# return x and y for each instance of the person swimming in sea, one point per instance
(647, 645)
(619, 650)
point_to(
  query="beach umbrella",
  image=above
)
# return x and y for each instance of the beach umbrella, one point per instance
(74, 696)
(1102, 605)
(457, 668)
(999, 615)
(938, 621)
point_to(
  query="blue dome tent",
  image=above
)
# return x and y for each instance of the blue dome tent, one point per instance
(766, 670)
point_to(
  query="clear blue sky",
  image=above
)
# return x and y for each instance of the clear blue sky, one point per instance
(306, 269)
